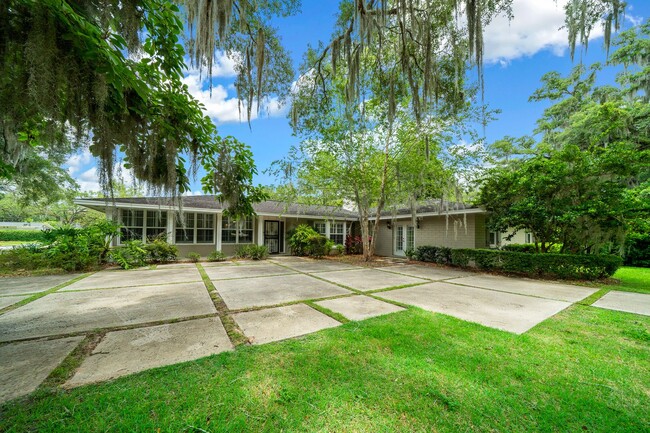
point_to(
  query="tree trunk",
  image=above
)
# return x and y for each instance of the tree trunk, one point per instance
(382, 195)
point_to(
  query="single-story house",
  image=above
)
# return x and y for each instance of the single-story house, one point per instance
(202, 227)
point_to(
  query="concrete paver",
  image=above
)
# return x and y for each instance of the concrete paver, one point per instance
(245, 271)
(368, 279)
(629, 302)
(6, 301)
(25, 365)
(265, 291)
(132, 278)
(133, 350)
(311, 266)
(524, 286)
(506, 311)
(429, 272)
(70, 312)
(23, 285)
(273, 324)
(359, 307)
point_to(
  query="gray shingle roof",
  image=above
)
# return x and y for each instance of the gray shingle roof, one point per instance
(210, 202)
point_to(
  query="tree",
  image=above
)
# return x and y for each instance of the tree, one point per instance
(108, 73)
(580, 186)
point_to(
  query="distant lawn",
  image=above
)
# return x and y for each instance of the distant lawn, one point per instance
(12, 243)
(584, 370)
(631, 280)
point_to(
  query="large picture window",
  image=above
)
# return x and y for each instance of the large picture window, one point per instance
(237, 231)
(199, 229)
(321, 227)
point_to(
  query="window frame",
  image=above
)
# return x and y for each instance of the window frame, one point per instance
(336, 233)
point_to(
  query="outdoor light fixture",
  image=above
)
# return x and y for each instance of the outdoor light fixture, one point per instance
(417, 222)
(389, 225)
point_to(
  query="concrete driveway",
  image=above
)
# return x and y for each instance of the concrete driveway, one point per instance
(131, 321)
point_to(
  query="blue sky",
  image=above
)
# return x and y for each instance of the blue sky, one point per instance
(517, 54)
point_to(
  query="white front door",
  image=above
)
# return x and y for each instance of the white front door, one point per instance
(404, 239)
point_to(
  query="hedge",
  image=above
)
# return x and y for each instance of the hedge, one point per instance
(569, 266)
(22, 235)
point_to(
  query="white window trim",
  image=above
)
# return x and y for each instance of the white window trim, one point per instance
(143, 239)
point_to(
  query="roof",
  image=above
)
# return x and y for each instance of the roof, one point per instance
(272, 207)
(430, 208)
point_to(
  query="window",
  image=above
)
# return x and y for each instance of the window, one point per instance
(237, 232)
(400, 238)
(336, 232)
(156, 223)
(199, 229)
(494, 239)
(133, 225)
(204, 228)
(185, 234)
(321, 227)
(529, 238)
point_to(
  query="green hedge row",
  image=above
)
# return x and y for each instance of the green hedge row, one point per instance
(22, 235)
(570, 266)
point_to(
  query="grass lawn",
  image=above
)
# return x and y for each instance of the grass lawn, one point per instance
(584, 370)
(631, 280)
(11, 243)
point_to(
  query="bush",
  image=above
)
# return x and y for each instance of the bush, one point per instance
(571, 266)
(305, 241)
(194, 257)
(22, 235)
(433, 254)
(159, 251)
(354, 244)
(253, 252)
(132, 254)
(520, 248)
(216, 256)
(23, 258)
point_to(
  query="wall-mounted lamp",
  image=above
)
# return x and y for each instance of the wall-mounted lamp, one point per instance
(417, 222)
(389, 225)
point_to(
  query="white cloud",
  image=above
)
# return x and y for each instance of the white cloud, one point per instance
(78, 161)
(536, 26)
(223, 106)
(88, 180)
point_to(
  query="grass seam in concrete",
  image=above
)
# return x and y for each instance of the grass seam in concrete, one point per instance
(333, 314)
(39, 295)
(129, 287)
(234, 332)
(112, 328)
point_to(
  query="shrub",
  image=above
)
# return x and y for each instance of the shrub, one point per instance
(637, 249)
(159, 251)
(253, 252)
(570, 266)
(26, 257)
(520, 248)
(216, 256)
(194, 257)
(305, 241)
(338, 249)
(132, 254)
(410, 253)
(354, 244)
(22, 235)
(427, 253)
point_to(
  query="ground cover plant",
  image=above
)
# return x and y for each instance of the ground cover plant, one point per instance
(582, 370)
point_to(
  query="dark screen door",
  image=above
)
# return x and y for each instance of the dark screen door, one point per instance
(272, 236)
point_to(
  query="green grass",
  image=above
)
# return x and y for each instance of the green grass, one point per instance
(631, 280)
(583, 370)
(12, 243)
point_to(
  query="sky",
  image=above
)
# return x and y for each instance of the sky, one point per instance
(517, 54)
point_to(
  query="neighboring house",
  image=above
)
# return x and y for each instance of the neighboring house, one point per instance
(205, 228)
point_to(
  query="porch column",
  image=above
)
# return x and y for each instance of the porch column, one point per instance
(327, 229)
(260, 230)
(170, 226)
(218, 230)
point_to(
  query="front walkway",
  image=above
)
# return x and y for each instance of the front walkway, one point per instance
(113, 323)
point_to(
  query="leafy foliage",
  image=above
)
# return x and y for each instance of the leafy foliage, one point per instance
(193, 257)
(132, 254)
(159, 251)
(305, 241)
(567, 266)
(216, 256)
(585, 183)
(520, 248)
(22, 235)
(253, 252)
